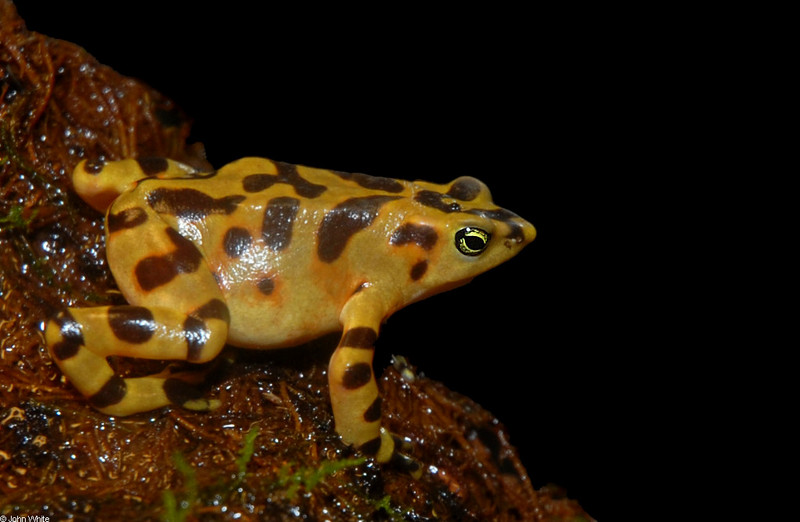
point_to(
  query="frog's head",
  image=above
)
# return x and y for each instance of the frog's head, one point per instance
(458, 233)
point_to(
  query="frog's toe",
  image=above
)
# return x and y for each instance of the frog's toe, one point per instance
(391, 449)
(408, 464)
(402, 459)
(202, 404)
(183, 394)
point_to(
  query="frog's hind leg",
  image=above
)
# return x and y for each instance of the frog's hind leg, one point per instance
(177, 312)
(80, 339)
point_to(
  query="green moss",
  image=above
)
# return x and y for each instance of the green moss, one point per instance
(308, 478)
(385, 504)
(174, 510)
(245, 454)
(288, 482)
(14, 218)
(177, 509)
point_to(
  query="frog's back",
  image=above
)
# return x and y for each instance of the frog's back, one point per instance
(271, 234)
(275, 255)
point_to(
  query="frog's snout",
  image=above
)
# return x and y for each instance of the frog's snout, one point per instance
(520, 234)
(528, 232)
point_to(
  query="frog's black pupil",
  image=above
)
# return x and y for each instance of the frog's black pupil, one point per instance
(474, 242)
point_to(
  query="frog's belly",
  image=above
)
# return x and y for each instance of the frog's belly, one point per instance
(276, 323)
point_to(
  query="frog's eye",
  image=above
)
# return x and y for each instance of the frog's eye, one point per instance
(471, 241)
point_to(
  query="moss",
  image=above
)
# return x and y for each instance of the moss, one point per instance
(308, 478)
(290, 479)
(15, 218)
(178, 507)
(246, 453)
(177, 510)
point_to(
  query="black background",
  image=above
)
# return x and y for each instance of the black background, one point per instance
(531, 102)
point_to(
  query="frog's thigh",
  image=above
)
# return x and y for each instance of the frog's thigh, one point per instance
(179, 312)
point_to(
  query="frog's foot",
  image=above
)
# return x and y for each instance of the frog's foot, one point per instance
(80, 339)
(144, 393)
(392, 449)
(183, 394)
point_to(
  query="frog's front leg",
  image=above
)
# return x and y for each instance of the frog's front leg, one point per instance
(354, 392)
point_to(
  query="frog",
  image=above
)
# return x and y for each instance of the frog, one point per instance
(263, 254)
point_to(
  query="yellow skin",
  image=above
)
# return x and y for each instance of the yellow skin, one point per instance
(262, 254)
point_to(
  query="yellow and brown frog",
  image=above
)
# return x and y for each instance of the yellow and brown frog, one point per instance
(263, 254)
